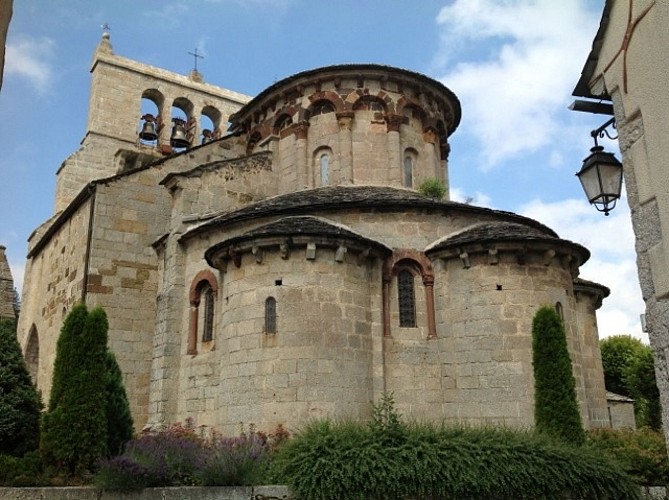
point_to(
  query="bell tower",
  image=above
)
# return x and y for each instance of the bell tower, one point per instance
(121, 135)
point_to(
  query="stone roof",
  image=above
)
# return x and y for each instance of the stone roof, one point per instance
(334, 198)
(290, 227)
(495, 231)
(580, 283)
(504, 231)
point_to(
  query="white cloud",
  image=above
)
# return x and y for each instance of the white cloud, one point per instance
(477, 199)
(612, 262)
(30, 58)
(523, 60)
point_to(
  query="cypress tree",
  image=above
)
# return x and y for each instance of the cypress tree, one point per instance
(556, 410)
(119, 419)
(20, 404)
(74, 430)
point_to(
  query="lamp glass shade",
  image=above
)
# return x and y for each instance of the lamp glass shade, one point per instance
(601, 177)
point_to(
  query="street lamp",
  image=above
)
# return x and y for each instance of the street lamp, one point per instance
(601, 174)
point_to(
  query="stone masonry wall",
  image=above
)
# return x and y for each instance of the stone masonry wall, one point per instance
(593, 371)
(478, 369)
(318, 363)
(53, 283)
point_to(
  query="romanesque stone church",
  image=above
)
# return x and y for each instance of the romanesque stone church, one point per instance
(271, 259)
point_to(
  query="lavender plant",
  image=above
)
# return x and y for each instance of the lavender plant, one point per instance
(180, 455)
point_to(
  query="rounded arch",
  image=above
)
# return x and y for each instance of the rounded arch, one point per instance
(203, 276)
(369, 102)
(203, 284)
(154, 96)
(320, 107)
(409, 159)
(212, 130)
(282, 122)
(411, 109)
(414, 262)
(31, 354)
(322, 161)
(408, 257)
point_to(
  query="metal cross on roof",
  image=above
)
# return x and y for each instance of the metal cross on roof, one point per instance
(196, 56)
(105, 28)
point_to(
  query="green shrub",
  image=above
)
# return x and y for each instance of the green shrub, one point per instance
(334, 460)
(555, 406)
(119, 419)
(74, 429)
(20, 404)
(642, 453)
(22, 471)
(433, 188)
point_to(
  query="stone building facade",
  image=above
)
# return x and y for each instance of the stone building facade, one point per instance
(289, 268)
(627, 68)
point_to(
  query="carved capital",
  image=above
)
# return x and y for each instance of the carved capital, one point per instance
(301, 129)
(393, 122)
(345, 119)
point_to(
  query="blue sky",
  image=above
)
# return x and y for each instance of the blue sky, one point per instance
(512, 63)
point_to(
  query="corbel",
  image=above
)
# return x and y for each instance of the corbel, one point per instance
(340, 253)
(258, 253)
(284, 249)
(464, 257)
(311, 251)
(493, 256)
(548, 257)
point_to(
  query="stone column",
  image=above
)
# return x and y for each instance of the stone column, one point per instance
(166, 354)
(445, 149)
(192, 329)
(305, 177)
(345, 120)
(394, 148)
(428, 282)
(386, 306)
(431, 157)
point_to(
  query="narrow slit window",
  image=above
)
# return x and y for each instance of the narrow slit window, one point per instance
(407, 299)
(324, 161)
(408, 171)
(208, 329)
(270, 315)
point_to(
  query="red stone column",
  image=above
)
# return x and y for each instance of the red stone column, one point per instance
(192, 329)
(345, 121)
(428, 282)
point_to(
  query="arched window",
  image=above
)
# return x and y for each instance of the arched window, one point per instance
(202, 291)
(324, 162)
(210, 120)
(208, 326)
(406, 298)
(270, 315)
(321, 107)
(407, 172)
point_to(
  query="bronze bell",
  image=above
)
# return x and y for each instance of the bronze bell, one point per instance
(148, 132)
(207, 136)
(179, 139)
